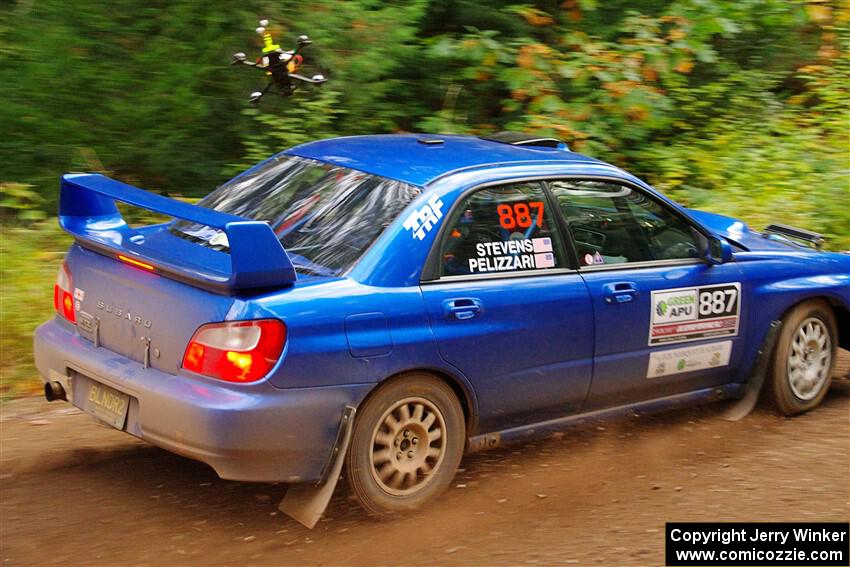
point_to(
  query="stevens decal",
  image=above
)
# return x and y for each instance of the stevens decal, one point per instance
(694, 313)
(520, 254)
(688, 359)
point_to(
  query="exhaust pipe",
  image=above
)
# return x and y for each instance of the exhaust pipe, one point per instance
(54, 391)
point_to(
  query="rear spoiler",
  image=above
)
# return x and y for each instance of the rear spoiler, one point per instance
(256, 260)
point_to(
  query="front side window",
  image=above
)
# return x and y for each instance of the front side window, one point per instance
(501, 229)
(326, 216)
(615, 224)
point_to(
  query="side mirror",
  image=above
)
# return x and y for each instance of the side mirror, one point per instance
(712, 249)
(718, 251)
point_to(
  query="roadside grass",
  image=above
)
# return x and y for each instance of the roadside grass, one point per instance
(29, 259)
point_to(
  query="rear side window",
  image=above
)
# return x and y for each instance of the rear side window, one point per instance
(326, 216)
(501, 229)
(615, 224)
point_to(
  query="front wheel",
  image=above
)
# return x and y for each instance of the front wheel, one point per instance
(804, 358)
(406, 446)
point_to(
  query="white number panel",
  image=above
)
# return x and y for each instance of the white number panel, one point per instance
(694, 313)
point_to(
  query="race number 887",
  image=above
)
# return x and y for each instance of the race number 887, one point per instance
(718, 302)
(521, 215)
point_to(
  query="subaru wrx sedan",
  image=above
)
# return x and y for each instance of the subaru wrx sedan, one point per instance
(386, 303)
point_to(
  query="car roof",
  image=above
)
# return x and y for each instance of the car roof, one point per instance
(417, 159)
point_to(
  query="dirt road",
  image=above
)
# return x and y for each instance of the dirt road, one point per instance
(73, 492)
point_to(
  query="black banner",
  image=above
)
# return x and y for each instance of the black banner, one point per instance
(808, 544)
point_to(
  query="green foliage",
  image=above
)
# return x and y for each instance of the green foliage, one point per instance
(311, 119)
(142, 90)
(29, 260)
(760, 160)
(19, 201)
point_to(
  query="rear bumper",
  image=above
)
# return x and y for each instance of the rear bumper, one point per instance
(245, 432)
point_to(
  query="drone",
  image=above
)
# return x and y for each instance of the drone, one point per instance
(278, 65)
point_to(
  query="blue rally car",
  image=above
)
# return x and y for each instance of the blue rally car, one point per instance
(382, 304)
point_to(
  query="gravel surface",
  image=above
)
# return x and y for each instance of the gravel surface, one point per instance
(74, 492)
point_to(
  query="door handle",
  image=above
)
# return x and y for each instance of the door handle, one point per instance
(462, 308)
(620, 292)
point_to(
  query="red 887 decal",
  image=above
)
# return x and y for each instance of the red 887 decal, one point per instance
(520, 215)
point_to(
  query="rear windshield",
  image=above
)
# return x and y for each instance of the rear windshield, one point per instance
(326, 216)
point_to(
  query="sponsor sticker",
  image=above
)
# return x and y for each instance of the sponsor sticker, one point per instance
(544, 260)
(423, 220)
(593, 259)
(79, 297)
(688, 359)
(541, 244)
(694, 313)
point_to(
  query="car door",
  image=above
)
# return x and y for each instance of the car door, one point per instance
(666, 321)
(507, 311)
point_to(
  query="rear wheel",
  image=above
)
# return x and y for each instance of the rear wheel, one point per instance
(406, 446)
(804, 358)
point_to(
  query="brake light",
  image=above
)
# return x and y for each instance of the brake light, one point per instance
(63, 295)
(137, 263)
(236, 351)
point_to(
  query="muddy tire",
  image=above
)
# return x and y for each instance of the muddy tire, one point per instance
(407, 443)
(803, 359)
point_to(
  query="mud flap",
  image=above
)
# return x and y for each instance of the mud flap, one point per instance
(745, 405)
(306, 503)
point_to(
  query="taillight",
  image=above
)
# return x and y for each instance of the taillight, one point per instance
(63, 295)
(237, 351)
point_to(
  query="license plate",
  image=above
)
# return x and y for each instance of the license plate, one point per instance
(105, 403)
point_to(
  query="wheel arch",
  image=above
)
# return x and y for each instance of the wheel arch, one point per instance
(777, 307)
(781, 295)
(459, 386)
(842, 314)
(842, 320)
(839, 309)
(780, 391)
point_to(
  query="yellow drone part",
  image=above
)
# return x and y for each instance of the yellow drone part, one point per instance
(269, 44)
